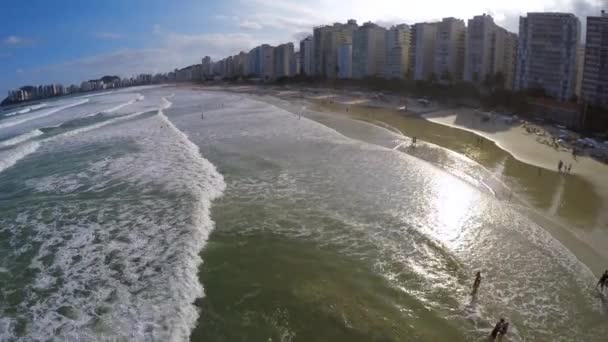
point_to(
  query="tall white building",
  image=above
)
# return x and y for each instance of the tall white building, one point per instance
(423, 50)
(326, 43)
(369, 51)
(307, 56)
(345, 61)
(547, 53)
(595, 77)
(398, 43)
(449, 49)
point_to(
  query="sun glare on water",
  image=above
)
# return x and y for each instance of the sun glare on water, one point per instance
(451, 205)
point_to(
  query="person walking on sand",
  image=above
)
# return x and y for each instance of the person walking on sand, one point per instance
(603, 282)
(559, 166)
(497, 329)
(476, 283)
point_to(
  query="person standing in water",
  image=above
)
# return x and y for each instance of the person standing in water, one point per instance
(603, 281)
(476, 283)
(497, 329)
(503, 331)
(559, 166)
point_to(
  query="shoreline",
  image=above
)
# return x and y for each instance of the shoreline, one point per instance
(572, 207)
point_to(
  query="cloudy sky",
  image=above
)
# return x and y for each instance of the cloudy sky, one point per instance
(68, 41)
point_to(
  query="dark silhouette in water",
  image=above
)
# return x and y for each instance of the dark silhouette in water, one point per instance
(497, 329)
(476, 283)
(603, 282)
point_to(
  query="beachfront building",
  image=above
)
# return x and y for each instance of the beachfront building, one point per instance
(449, 49)
(283, 60)
(206, 67)
(595, 78)
(297, 63)
(423, 51)
(326, 43)
(580, 70)
(369, 51)
(306, 56)
(261, 62)
(398, 42)
(504, 55)
(345, 61)
(478, 52)
(547, 53)
(240, 64)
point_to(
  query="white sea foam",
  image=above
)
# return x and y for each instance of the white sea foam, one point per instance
(9, 157)
(26, 110)
(136, 273)
(21, 138)
(20, 120)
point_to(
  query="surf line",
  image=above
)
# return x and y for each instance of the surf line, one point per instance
(398, 146)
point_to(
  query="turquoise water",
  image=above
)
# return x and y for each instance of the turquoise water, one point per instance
(148, 223)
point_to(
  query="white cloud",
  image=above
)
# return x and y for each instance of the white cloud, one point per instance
(249, 25)
(108, 35)
(19, 70)
(16, 40)
(296, 15)
(175, 51)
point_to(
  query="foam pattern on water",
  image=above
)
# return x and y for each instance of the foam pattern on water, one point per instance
(114, 254)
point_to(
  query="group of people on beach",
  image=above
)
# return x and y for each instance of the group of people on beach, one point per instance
(562, 166)
(502, 326)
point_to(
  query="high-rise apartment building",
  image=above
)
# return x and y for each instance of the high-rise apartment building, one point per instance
(398, 43)
(547, 53)
(504, 56)
(449, 49)
(283, 60)
(306, 56)
(326, 43)
(369, 51)
(423, 50)
(345, 61)
(595, 77)
(480, 47)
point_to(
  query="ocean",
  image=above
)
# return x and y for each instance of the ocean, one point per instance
(128, 216)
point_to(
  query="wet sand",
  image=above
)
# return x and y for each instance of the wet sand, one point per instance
(571, 206)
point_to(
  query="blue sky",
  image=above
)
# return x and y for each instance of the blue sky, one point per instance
(68, 41)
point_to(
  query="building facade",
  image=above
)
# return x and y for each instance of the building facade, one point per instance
(547, 53)
(481, 45)
(345, 61)
(423, 50)
(283, 60)
(398, 43)
(595, 75)
(369, 51)
(326, 43)
(449, 49)
(306, 56)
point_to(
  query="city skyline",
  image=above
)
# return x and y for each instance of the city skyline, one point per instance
(126, 39)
